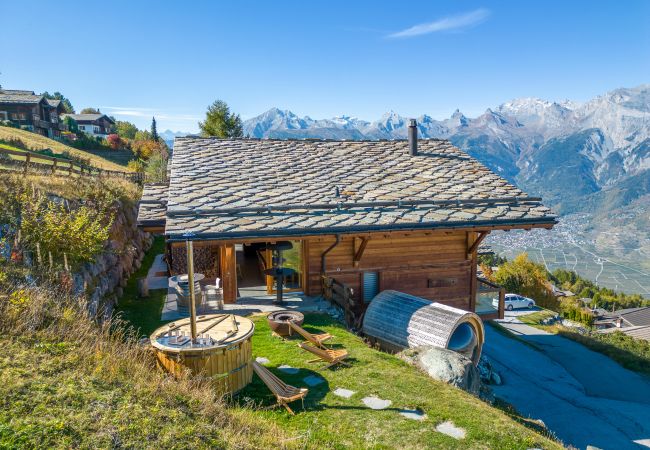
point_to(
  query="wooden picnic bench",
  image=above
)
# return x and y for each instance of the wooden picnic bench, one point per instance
(333, 357)
(284, 393)
(316, 339)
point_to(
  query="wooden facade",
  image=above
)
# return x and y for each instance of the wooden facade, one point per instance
(436, 265)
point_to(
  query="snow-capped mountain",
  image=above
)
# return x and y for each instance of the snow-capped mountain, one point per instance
(168, 136)
(563, 150)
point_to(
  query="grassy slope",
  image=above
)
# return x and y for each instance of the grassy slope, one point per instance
(38, 142)
(633, 354)
(334, 422)
(143, 313)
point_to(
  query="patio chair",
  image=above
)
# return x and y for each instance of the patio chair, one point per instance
(333, 357)
(316, 339)
(284, 393)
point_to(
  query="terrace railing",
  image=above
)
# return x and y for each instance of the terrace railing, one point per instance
(486, 292)
(343, 296)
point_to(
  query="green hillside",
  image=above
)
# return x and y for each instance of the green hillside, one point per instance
(101, 159)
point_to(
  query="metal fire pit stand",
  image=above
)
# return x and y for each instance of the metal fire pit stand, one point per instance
(277, 271)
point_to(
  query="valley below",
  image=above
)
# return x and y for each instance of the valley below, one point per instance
(616, 257)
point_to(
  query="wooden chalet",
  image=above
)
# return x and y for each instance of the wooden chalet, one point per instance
(363, 216)
(96, 125)
(31, 111)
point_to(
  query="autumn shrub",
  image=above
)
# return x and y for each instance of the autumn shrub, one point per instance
(524, 277)
(114, 142)
(49, 227)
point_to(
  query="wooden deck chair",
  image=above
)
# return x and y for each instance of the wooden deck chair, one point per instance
(316, 339)
(283, 392)
(333, 357)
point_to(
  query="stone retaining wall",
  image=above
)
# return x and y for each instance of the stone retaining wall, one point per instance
(103, 280)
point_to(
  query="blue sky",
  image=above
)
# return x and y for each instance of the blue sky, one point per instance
(360, 58)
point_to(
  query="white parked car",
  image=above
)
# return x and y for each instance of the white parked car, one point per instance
(513, 301)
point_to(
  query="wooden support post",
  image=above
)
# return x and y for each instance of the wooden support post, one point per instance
(27, 158)
(228, 272)
(190, 281)
(475, 239)
(360, 250)
(54, 167)
(65, 262)
(70, 169)
(502, 302)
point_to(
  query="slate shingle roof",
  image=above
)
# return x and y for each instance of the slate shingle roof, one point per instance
(632, 316)
(19, 96)
(87, 117)
(153, 205)
(236, 188)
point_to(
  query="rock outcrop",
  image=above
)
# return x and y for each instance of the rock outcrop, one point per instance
(446, 365)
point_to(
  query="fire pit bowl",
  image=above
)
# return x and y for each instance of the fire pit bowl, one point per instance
(279, 321)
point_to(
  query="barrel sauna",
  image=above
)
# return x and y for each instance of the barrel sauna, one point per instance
(222, 351)
(396, 321)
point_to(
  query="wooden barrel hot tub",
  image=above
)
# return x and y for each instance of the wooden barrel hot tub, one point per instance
(222, 352)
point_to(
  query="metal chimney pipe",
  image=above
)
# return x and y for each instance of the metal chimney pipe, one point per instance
(413, 138)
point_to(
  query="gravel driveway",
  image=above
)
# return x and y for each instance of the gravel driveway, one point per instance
(584, 397)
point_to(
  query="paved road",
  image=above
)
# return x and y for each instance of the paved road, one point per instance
(584, 397)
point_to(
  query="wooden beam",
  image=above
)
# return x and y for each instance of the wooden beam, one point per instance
(476, 243)
(229, 273)
(360, 250)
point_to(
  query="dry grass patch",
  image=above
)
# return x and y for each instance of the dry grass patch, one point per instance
(37, 142)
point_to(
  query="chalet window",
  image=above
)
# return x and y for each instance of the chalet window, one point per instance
(4, 115)
(370, 286)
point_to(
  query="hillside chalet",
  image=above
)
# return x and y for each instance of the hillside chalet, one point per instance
(32, 112)
(362, 216)
(96, 125)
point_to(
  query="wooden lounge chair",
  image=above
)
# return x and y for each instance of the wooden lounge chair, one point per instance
(333, 357)
(283, 392)
(316, 339)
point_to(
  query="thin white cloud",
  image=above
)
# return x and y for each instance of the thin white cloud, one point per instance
(445, 24)
(146, 112)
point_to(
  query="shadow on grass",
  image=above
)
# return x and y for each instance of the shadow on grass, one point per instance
(258, 395)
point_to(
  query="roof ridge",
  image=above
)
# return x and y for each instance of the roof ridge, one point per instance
(215, 138)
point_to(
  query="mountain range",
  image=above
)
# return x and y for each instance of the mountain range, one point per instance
(578, 156)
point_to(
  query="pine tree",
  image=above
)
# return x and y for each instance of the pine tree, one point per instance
(154, 131)
(220, 122)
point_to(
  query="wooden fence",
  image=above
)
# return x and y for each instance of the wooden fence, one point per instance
(53, 165)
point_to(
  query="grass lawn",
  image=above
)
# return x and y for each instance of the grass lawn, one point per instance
(536, 317)
(121, 157)
(329, 421)
(37, 142)
(143, 313)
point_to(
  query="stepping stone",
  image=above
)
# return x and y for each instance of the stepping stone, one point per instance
(345, 393)
(450, 429)
(288, 369)
(413, 414)
(262, 360)
(313, 380)
(376, 403)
